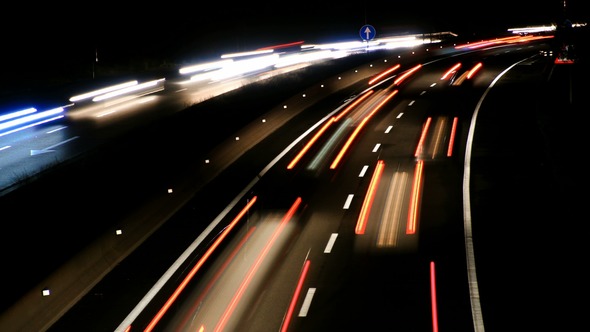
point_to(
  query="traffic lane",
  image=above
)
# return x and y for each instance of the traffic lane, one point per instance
(238, 146)
(342, 314)
(281, 192)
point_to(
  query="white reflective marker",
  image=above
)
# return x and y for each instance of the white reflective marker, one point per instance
(306, 302)
(363, 171)
(330, 244)
(348, 200)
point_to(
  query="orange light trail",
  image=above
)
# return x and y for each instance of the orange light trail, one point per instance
(415, 198)
(450, 71)
(196, 268)
(250, 275)
(353, 105)
(378, 77)
(452, 138)
(310, 143)
(504, 40)
(281, 46)
(295, 297)
(325, 127)
(217, 275)
(422, 137)
(363, 218)
(433, 298)
(358, 129)
(474, 70)
(406, 74)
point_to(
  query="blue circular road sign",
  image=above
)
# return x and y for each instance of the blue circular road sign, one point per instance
(367, 32)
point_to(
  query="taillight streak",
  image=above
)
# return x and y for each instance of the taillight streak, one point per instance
(310, 143)
(218, 274)
(378, 77)
(388, 230)
(415, 198)
(359, 128)
(295, 297)
(353, 105)
(452, 138)
(433, 298)
(422, 137)
(450, 71)
(244, 285)
(474, 70)
(316, 137)
(363, 218)
(196, 268)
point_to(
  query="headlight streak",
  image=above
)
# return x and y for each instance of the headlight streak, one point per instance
(415, 199)
(17, 114)
(244, 285)
(248, 53)
(103, 91)
(125, 102)
(306, 57)
(363, 218)
(196, 268)
(358, 129)
(129, 89)
(204, 66)
(31, 120)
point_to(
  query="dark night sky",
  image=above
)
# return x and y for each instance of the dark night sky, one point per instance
(56, 37)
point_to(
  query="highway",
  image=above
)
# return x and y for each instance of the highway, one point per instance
(405, 201)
